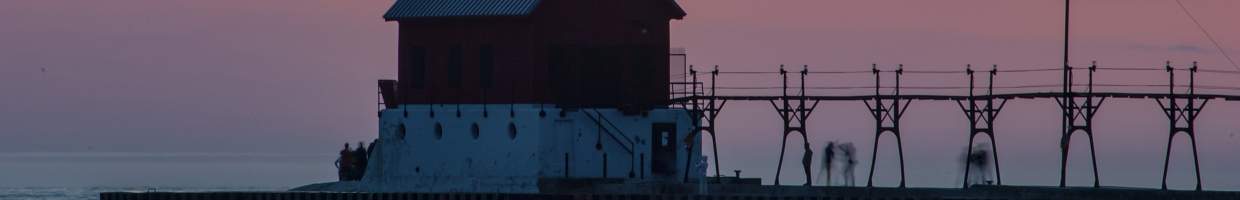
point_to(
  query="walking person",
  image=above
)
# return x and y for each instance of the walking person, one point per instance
(828, 158)
(850, 163)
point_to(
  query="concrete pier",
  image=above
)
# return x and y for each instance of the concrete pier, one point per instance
(749, 193)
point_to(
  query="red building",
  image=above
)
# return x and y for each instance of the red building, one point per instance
(572, 53)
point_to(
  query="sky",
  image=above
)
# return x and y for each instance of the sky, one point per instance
(262, 92)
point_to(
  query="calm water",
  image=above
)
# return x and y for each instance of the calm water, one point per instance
(76, 193)
(85, 175)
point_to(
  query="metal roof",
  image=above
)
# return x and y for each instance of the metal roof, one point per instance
(405, 9)
(409, 9)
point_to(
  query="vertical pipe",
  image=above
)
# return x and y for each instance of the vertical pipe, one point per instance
(878, 123)
(1167, 158)
(1192, 120)
(1067, 5)
(874, 157)
(1089, 121)
(971, 112)
(896, 123)
(1196, 165)
(696, 114)
(1093, 155)
(642, 167)
(1171, 114)
(714, 142)
(801, 118)
(784, 115)
(1067, 98)
(990, 121)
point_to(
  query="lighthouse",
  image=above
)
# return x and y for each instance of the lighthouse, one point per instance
(511, 95)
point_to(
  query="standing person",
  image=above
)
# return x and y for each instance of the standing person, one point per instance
(807, 161)
(359, 161)
(344, 163)
(850, 162)
(702, 165)
(371, 149)
(828, 157)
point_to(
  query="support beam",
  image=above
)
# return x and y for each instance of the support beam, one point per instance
(887, 113)
(981, 113)
(794, 111)
(707, 111)
(1182, 118)
(1078, 116)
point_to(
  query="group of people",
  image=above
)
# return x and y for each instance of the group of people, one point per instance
(351, 165)
(848, 162)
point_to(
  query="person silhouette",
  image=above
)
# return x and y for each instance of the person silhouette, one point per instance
(359, 161)
(344, 163)
(978, 163)
(828, 158)
(807, 161)
(850, 163)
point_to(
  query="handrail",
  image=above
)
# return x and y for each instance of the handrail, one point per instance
(613, 126)
(629, 149)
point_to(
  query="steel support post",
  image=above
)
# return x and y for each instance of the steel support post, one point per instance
(1182, 117)
(981, 113)
(711, 112)
(794, 112)
(887, 112)
(1078, 115)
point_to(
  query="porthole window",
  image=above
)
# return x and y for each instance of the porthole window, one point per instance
(438, 131)
(400, 132)
(512, 131)
(474, 130)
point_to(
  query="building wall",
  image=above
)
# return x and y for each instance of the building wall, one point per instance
(421, 161)
(570, 53)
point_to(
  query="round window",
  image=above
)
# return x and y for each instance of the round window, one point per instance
(512, 131)
(400, 132)
(473, 129)
(438, 131)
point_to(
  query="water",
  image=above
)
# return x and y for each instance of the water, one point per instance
(80, 193)
(75, 176)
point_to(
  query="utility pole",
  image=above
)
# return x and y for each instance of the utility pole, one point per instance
(1067, 5)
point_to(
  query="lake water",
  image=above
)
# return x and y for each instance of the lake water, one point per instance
(85, 175)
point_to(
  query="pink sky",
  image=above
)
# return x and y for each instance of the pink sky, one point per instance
(282, 76)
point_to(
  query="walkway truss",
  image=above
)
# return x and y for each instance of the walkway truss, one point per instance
(1079, 104)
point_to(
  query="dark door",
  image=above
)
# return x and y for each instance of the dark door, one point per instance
(663, 149)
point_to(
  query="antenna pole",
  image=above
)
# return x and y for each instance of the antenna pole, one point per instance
(1066, 14)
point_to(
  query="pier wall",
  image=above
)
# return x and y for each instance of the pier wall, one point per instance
(1014, 193)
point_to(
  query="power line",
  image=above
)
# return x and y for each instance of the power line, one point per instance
(1207, 33)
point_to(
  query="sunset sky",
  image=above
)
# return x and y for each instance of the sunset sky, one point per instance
(263, 92)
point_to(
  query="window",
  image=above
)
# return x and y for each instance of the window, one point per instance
(512, 131)
(454, 66)
(438, 131)
(486, 66)
(415, 62)
(400, 132)
(475, 131)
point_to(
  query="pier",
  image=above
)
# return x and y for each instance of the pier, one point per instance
(735, 192)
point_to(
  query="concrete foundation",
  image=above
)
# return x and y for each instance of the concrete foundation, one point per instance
(725, 192)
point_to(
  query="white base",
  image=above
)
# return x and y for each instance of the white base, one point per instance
(496, 161)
